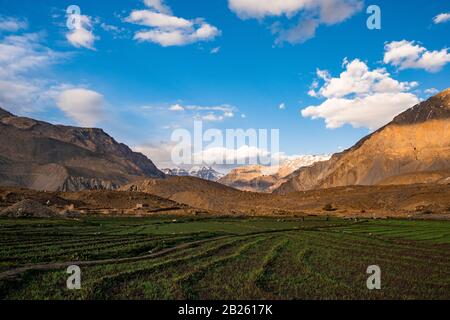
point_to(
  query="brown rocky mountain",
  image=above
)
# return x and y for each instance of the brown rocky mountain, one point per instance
(258, 178)
(42, 156)
(416, 141)
(193, 191)
(254, 178)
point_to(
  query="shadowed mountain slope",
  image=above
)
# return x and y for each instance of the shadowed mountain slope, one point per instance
(42, 156)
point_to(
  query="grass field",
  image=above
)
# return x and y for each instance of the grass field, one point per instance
(224, 258)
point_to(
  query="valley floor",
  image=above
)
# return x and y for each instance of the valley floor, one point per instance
(224, 258)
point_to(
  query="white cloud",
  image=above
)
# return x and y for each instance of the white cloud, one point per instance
(431, 91)
(158, 5)
(11, 24)
(215, 50)
(159, 20)
(247, 9)
(211, 117)
(20, 56)
(241, 155)
(360, 97)
(358, 79)
(22, 92)
(409, 55)
(84, 106)
(312, 14)
(176, 107)
(117, 32)
(370, 112)
(441, 18)
(212, 113)
(304, 30)
(167, 29)
(83, 35)
(282, 106)
(160, 153)
(205, 113)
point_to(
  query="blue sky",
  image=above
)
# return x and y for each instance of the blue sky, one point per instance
(234, 65)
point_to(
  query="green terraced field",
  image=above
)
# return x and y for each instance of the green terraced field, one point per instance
(224, 258)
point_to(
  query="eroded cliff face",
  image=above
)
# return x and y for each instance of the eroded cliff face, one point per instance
(42, 156)
(417, 140)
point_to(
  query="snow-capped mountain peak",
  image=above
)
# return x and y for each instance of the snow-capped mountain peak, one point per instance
(203, 172)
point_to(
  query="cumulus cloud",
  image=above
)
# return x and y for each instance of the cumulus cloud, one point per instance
(441, 18)
(218, 157)
(410, 55)
(82, 36)
(360, 97)
(167, 29)
(84, 106)
(239, 155)
(21, 56)
(223, 157)
(11, 24)
(158, 5)
(311, 14)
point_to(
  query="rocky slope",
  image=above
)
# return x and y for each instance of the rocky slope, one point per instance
(419, 201)
(418, 140)
(195, 192)
(42, 156)
(258, 178)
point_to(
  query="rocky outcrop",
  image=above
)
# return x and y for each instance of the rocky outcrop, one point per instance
(28, 209)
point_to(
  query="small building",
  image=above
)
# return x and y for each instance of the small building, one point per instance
(142, 206)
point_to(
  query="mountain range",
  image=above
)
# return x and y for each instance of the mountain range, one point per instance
(413, 148)
(42, 156)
